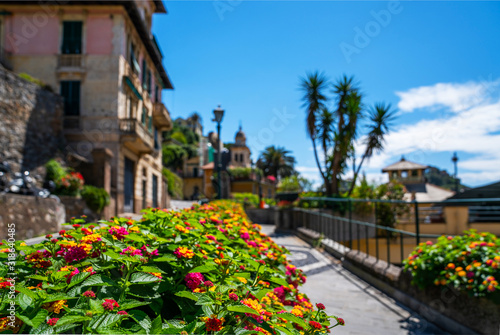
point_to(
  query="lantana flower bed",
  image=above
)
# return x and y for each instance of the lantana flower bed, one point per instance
(469, 263)
(207, 269)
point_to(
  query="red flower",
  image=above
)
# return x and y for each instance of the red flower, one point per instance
(89, 294)
(214, 324)
(208, 283)
(53, 321)
(122, 313)
(315, 324)
(341, 321)
(233, 296)
(320, 306)
(110, 304)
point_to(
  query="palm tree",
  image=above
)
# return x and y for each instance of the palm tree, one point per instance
(381, 117)
(349, 111)
(313, 86)
(277, 162)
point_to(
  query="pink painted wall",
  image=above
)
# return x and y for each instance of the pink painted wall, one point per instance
(99, 35)
(32, 34)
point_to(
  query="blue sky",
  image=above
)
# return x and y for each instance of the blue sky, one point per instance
(436, 62)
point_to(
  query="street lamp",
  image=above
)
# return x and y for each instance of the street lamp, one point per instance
(454, 159)
(218, 115)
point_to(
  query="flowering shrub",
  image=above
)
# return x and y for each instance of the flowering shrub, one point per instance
(204, 269)
(469, 263)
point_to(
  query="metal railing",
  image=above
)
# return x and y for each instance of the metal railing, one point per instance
(369, 225)
(134, 127)
(70, 60)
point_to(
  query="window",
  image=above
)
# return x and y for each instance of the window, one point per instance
(195, 172)
(241, 157)
(72, 38)
(156, 93)
(150, 124)
(235, 157)
(70, 91)
(144, 115)
(133, 60)
(414, 173)
(155, 191)
(404, 174)
(143, 73)
(394, 174)
(148, 81)
(157, 142)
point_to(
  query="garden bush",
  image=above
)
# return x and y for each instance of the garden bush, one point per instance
(469, 263)
(96, 198)
(251, 200)
(67, 182)
(201, 270)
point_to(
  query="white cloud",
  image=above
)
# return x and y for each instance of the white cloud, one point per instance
(473, 130)
(456, 97)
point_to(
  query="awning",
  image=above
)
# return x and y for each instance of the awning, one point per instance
(132, 87)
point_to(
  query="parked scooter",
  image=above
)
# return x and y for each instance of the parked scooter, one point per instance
(24, 184)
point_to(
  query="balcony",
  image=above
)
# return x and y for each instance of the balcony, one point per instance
(161, 117)
(71, 63)
(135, 136)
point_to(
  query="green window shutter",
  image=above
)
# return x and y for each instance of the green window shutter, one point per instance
(150, 124)
(143, 119)
(143, 73)
(72, 37)
(70, 91)
(148, 82)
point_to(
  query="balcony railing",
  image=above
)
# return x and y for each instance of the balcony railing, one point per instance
(136, 135)
(161, 117)
(70, 61)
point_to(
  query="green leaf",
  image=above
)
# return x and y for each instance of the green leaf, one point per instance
(128, 304)
(98, 280)
(165, 258)
(279, 281)
(143, 278)
(283, 330)
(78, 278)
(64, 329)
(25, 319)
(39, 318)
(156, 326)
(293, 318)
(57, 297)
(204, 299)
(142, 319)
(151, 269)
(42, 329)
(114, 255)
(136, 238)
(262, 293)
(104, 320)
(72, 319)
(241, 309)
(23, 301)
(96, 306)
(187, 294)
(38, 277)
(27, 292)
(203, 269)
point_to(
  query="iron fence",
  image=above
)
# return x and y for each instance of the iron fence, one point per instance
(371, 225)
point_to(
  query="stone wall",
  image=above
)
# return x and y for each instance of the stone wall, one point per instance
(32, 216)
(76, 207)
(31, 123)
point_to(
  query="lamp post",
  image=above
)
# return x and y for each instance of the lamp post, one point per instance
(218, 115)
(454, 159)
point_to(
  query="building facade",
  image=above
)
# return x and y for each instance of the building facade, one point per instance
(102, 58)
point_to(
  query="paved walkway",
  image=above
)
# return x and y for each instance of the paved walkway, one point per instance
(365, 309)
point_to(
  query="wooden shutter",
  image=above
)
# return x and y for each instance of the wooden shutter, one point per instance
(72, 37)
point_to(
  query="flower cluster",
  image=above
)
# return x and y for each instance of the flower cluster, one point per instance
(203, 269)
(469, 263)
